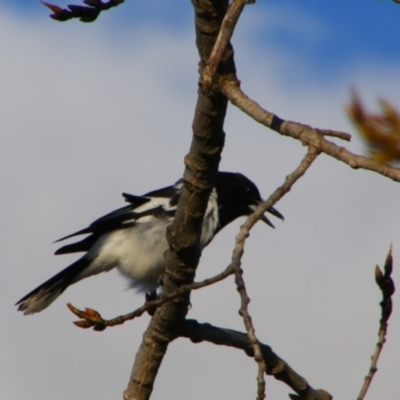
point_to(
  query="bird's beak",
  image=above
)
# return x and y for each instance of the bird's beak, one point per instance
(264, 218)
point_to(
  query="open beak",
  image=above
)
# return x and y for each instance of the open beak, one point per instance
(272, 211)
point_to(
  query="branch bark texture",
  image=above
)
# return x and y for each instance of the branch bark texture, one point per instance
(306, 134)
(277, 367)
(184, 234)
(224, 36)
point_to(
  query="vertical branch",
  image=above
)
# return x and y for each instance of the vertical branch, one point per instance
(224, 36)
(184, 233)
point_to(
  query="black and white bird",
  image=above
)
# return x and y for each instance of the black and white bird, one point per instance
(133, 239)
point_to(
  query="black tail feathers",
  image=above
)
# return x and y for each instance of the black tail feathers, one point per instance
(41, 297)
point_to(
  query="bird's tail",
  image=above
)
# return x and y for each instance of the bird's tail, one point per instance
(41, 297)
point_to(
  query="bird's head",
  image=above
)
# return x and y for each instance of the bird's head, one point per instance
(238, 196)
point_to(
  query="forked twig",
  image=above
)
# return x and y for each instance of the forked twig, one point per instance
(306, 134)
(238, 253)
(225, 33)
(337, 134)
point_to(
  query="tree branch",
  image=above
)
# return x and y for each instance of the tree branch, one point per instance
(239, 251)
(386, 285)
(224, 36)
(277, 367)
(92, 319)
(306, 134)
(184, 233)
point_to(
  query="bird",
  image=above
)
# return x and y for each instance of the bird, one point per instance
(133, 238)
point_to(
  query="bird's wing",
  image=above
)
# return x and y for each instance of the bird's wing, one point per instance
(107, 222)
(170, 192)
(159, 203)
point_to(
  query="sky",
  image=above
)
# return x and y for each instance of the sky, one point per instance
(88, 111)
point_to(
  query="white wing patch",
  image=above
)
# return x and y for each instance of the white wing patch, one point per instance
(156, 202)
(211, 220)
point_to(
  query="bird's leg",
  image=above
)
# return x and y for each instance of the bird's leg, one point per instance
(151, 296)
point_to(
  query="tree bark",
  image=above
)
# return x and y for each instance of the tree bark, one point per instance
(184, 233)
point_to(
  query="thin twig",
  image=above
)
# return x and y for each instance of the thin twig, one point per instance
(306, 134)
(276, 367)
(224, 36)
(92, 319)
(244, 312)
(386, 285)
(337, 134)
(239, 250)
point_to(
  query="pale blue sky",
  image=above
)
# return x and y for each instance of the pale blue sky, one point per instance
(90, 111)
(352, 28)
